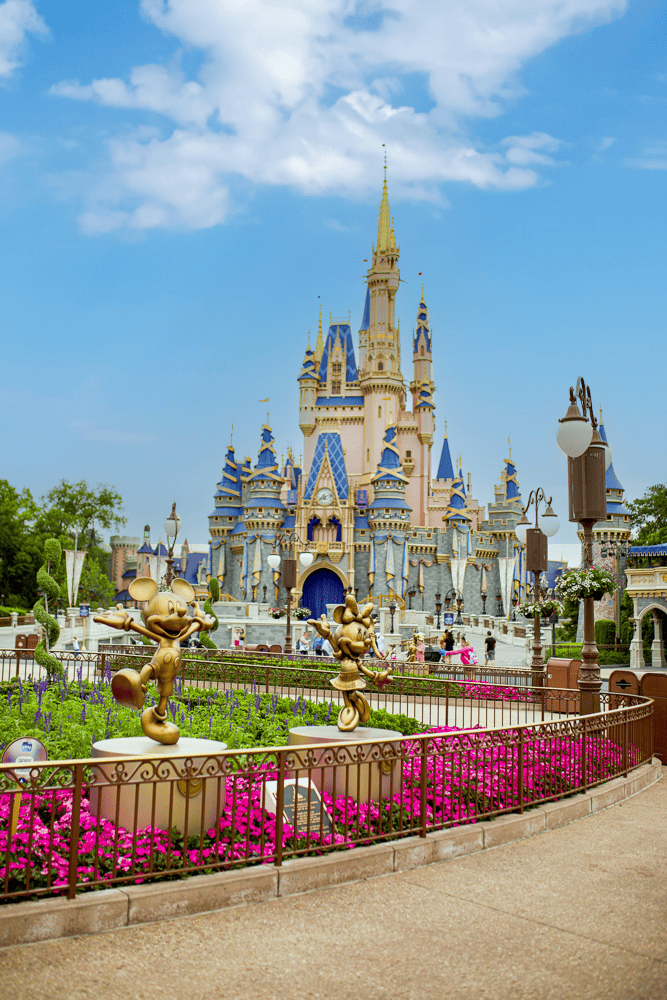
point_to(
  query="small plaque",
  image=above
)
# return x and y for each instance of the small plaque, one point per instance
(304, 810)
(84, 610)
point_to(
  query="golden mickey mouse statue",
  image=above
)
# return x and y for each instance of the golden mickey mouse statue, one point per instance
(169, 624)
(353, 637)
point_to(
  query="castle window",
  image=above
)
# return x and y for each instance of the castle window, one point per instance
(336, 369)
(380, 366)
(408, 454)
(335, 388)
(368, 454)
(379, 411)
(422, 351)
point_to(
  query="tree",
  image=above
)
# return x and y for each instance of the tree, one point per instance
(21, 553)
(649, 515)
(71, 508)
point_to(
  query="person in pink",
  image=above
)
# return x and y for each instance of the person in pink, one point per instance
(421, 648)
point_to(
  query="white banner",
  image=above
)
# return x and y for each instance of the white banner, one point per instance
(73, 568)
(152, 568)
(506, 570)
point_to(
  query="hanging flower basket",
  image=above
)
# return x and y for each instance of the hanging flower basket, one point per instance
(301, 614)
(541, 609)
(276, 612)
(576, 584)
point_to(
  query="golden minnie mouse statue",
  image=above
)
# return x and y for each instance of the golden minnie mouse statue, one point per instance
(168, 623)
(353, 637)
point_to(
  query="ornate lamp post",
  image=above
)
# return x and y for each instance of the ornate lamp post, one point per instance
(411, 594)
(392, 612)
(537, 562)
(499, 605)
(172, 526)
(459, 607)
(289, 574)
(438, 609)
(588, 457)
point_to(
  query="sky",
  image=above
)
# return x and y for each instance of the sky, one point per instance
(184, 182)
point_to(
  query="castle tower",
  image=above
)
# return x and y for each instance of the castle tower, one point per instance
(309, 381)
(422, 388)
(380, 376)
(265, 510)
(389, 508)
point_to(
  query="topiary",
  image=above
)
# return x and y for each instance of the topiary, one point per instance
(51, 589)
(605, 632)
(213, 595)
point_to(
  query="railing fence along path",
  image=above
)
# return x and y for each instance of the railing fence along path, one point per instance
(533, 749)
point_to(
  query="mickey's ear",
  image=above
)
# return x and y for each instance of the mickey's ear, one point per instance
(338, 613)
(182, 589)
(143, 588)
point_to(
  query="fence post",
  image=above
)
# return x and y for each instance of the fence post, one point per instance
(584, 752)
(626, 725)
(422, 787)
(520, 767)
(280, 804)
(74, 835)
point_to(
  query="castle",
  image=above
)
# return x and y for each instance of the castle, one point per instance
(366, 502)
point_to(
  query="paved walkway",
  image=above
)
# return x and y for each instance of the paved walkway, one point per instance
(578, 913)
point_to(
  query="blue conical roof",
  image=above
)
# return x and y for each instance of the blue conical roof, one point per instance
(366, 318)
(389, 466)
(511, 481)
(445, 468)
(229, 486)
(342, 331)
(267, 465)
(612, 481)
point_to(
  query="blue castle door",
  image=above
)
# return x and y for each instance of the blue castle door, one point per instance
(321, 588)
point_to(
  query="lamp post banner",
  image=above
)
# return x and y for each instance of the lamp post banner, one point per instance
(73, 568)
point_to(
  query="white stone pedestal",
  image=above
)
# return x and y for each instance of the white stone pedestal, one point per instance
(371, 780)
(153, 790)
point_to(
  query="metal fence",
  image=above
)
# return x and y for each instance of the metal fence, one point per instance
(74, 819)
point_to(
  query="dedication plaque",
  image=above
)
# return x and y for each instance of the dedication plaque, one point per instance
(304, 810)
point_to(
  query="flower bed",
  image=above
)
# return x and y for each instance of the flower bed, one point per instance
(468, 777)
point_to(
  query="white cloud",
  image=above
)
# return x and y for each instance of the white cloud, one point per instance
(303, 93)
(605, 144)
(10, 147)
(17, 19)
(654, 157)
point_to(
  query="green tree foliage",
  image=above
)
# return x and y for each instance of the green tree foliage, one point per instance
(20, 552)
(213, 595)
(648, 515)
(605, 632)
(51, 590)
(69, 508)
(569, 621)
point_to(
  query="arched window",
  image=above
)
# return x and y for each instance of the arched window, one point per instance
(335, 523)
(422, 351)
(380, 366)
(379, 411)
(312, 524)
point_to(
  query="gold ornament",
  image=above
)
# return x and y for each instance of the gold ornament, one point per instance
(168, 623)
(353, 637)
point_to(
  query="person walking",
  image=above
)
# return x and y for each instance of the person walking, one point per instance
(304, 643)
(489, 649)
(318, 643)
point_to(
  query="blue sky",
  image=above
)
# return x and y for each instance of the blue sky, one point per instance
(182, 179)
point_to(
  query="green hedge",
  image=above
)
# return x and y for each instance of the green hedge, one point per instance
(572, 651)
(605, 632)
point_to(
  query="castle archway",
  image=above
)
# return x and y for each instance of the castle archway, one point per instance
(322, 587)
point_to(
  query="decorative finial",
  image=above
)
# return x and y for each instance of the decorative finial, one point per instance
(510, 447)
(309, 340)
(231, 436)
(445, 428)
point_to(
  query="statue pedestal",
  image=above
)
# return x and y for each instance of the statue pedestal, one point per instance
(155, 790)
(372, 779)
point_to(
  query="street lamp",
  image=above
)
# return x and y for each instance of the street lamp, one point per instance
(411, 594)
(392, 612)
(172, 526)
(459, 605)
(537, 562)
(499, 605)
(588, 457)
(438, 609)
(289, 574)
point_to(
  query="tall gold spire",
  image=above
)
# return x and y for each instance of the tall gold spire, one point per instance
(319, 343)
(385, 240)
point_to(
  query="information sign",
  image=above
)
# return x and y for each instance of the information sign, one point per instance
(303, 810)
(84, 610)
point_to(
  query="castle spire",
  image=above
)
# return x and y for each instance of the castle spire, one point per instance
(385, 240)
(319, 343)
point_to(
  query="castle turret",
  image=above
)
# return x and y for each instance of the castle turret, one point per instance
(389, 508)
(264, 509)
(380, 375)
(309, 381)
(422, 388)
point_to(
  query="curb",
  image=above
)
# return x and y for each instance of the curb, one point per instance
(110, 909)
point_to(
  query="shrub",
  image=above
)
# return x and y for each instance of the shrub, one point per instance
(605, 632)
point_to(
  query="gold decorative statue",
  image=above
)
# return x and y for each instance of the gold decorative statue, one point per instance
(168, 623)
(353, 637)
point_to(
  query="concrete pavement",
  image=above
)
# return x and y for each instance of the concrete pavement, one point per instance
(578, 912)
